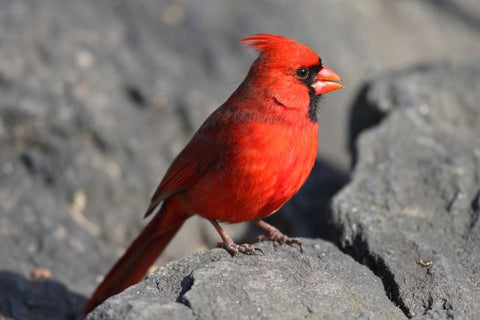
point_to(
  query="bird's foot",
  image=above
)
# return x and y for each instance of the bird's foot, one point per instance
(231, 246)
(281, 238)
(275, 235)
(234, 248)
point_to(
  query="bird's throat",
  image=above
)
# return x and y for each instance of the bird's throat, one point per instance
(313, 107)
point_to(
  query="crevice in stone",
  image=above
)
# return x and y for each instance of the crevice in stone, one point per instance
(447, 306)
(136, 96)
(186, 284)
(359, 251)
(475, 205)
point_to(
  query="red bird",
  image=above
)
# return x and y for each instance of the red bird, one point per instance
(245, 162)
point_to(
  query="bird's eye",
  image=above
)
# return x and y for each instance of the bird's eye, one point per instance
(302, 73)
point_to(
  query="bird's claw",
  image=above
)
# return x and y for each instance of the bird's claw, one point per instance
(279, 237)
(244, 248)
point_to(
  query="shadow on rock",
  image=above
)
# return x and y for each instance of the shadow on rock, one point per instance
(362, 117)
(21, 298)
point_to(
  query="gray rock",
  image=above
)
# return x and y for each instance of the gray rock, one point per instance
(411, 212)
(321, 283)
(40, 299)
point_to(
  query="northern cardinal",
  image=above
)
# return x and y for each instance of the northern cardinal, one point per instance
(249, 157)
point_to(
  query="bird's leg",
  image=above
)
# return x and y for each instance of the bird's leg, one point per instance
(275, 235)
(231, 246)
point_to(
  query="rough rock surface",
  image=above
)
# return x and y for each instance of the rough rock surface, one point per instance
(281, 284)
(411, 212)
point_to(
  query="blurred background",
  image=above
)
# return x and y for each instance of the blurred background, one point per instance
(98, 96)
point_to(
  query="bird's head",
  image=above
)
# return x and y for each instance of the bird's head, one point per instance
(292, 72)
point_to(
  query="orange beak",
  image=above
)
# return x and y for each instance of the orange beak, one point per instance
(325, 81)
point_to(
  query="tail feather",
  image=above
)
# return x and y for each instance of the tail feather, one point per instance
(134, 264)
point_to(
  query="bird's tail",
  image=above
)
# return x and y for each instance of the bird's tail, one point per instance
(134, 264)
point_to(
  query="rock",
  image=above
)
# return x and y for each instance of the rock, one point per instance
(411, 212)
(283, 283)
(23, 298)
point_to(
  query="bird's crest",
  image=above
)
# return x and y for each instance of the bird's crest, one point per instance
(279, 46)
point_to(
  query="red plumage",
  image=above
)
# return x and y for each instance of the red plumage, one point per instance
(248, 158)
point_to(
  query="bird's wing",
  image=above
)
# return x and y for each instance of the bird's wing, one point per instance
(189, 165)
